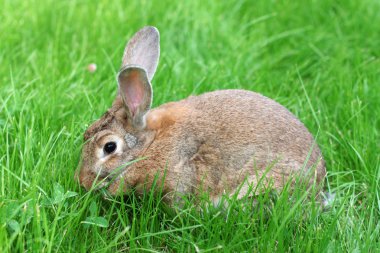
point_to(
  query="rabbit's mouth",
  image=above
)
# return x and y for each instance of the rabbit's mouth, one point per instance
(115, 180)
(119, 185)
(102, 179)
(105, 180)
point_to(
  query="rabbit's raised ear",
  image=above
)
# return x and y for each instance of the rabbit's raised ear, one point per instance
(136, 92)
(143, 50)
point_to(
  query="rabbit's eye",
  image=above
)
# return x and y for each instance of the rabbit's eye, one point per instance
(109, 147)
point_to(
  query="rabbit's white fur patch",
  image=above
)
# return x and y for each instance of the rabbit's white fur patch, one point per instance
(130, 140)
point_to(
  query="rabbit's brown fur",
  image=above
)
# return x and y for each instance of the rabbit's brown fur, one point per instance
(212, 142)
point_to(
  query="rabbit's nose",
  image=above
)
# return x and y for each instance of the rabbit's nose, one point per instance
(76, 176)
(90, 180)
(77, 171)
(86, 179)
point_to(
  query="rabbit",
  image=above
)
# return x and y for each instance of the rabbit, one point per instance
(220, 142)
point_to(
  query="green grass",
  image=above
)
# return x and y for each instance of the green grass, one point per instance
(320, 59)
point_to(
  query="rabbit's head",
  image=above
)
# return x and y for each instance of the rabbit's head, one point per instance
(120, 135)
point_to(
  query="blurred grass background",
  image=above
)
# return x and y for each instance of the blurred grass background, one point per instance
(320, 59)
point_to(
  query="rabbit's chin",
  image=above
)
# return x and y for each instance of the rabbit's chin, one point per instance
(117, 187)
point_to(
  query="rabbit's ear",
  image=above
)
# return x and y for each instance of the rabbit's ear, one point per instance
(136, 92)
(143, 50)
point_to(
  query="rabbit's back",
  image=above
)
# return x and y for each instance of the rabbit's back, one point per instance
(226, 136)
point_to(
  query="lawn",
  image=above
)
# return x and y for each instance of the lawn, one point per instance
(320, 59)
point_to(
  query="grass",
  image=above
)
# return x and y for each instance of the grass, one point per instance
(320, 59)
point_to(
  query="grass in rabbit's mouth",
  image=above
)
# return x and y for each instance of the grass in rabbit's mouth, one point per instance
(320, 59)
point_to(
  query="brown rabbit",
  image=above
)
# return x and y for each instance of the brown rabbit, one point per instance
(216, 142)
